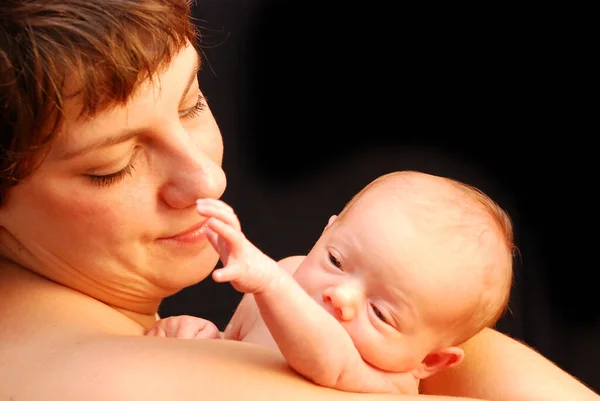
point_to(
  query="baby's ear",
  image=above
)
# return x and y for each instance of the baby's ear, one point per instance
(330, 222)
(439, 360)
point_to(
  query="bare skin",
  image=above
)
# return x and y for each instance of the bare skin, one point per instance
(247, 325)
(111, 248)
(343, 334)
(75, 339)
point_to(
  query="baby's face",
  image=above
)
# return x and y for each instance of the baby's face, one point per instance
(385, 281)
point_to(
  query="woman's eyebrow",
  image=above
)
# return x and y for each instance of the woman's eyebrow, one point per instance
(127, 134)
(112, 140)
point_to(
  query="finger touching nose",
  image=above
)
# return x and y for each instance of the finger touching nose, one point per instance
(198, 177)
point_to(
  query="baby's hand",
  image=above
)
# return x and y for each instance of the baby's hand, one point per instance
(244, 265)
(184, 326)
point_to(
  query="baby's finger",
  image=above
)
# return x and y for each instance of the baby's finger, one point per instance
(209, 331)
(232, 236)
(213, 238)
(218, 209)
(215, 203)
(157, 331)
(188, 329)
(228, 273)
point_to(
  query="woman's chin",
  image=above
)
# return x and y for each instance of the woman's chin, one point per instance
(190, 272)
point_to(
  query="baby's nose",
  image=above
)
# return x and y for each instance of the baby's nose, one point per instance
(344, 299)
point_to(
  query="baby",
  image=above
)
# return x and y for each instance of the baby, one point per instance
(412, 267)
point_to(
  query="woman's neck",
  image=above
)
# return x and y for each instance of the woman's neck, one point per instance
(65, 303)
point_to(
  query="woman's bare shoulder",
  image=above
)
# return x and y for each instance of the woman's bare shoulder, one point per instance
(500, 368)
(138, 368)
(141, 368)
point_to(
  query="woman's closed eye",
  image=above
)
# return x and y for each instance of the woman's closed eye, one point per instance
(113, 178)
(195, 110)
(105, 180)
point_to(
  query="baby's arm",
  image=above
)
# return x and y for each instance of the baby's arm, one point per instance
(312, 341)
(243, 319)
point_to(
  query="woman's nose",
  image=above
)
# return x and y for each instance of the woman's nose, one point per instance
(345, 300)
(196, 173)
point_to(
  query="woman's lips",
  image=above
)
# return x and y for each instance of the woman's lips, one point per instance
(191, 236)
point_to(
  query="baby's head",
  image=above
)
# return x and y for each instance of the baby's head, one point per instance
(413, 266)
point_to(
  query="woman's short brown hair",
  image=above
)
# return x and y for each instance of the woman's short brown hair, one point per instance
(106, 47)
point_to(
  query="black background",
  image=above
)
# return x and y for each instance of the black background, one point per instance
(315, 100)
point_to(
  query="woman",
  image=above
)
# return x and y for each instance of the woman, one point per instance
(106, 144)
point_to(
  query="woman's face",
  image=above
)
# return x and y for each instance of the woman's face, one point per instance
(111, 211)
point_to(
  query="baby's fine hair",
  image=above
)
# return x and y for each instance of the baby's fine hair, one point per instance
(494, 303)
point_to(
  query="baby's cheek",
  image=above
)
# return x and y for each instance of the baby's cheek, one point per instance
(364, 341)
(358, 331)
(370, 343)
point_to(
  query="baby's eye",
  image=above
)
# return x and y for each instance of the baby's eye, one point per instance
(335, 262)
(379, 314)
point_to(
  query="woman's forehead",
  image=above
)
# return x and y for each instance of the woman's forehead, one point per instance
(116, 122)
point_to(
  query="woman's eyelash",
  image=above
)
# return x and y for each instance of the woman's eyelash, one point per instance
(109, 179)
(195, 110)
(113, 178)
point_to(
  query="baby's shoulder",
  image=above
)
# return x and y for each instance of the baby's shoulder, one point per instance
(291, 263)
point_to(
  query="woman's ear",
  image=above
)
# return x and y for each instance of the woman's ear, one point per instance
(439, 360)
